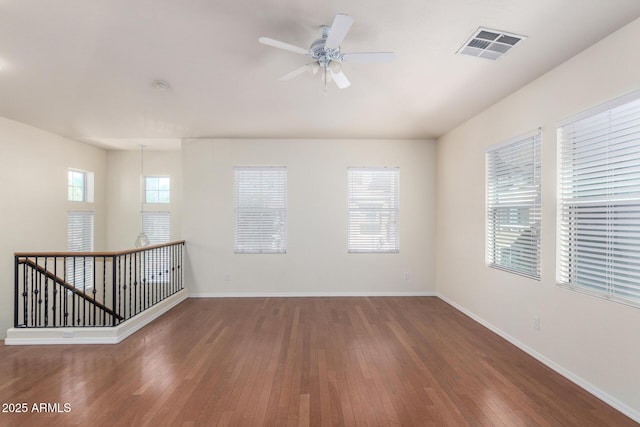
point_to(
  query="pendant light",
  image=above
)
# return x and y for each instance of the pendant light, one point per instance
(142, 240)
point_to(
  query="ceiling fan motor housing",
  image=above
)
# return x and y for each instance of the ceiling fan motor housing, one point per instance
(318, 52)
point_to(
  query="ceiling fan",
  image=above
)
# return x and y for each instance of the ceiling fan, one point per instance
(326, 54)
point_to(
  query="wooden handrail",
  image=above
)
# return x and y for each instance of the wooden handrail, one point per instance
(68, 286)
(95, 254)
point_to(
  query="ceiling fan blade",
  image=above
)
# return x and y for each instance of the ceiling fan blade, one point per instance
(368, 57)
(341, 80)
(282, 45)
(298, 71)
(339, 29)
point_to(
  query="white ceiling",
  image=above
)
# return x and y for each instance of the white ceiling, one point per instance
(84, 69)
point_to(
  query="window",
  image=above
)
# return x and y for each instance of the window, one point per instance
(77, 186)
(374, 210)
(156, 189)
(80, 239)
(260, 210)
(599, 211)
(513, 206)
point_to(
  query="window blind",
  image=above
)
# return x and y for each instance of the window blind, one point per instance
(80, 239)
(260, 209)
(513, 206)
(599, 212)
(157, 227)
(374, 210)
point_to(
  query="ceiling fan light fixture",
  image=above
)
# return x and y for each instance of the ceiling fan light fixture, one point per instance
(335, 66)
(314, 67)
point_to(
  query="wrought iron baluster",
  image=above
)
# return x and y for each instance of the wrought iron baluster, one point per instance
(113, 292)
(172, 255)
(16, 290)
(73, 295)
(145, 291)
(46, 295)
(179, 266)
(154, 282)
(84, 291)
(63, 296)
(33, 296)
(130, 286)
(94, 291)
(104, 289)
(25, 294)
(120, 285)
(54, 292)
(167, 280)
(165, 272)
(149, 254)
(136, 278)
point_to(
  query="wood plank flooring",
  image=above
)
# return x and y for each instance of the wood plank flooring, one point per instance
(297, 362)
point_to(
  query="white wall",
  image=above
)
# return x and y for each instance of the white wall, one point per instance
(124, 193)
(596, 341)
(33, 193)
(317, 261)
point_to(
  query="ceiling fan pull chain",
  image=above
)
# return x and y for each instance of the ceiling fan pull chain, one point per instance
(325, 80)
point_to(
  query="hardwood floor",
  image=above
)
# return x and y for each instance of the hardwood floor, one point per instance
(297, 361)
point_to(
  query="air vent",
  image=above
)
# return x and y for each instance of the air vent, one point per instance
(490, 44)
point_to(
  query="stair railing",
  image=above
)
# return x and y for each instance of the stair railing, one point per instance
(87, 289)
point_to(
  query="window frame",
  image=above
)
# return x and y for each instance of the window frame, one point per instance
(514, 204)
(388, 207)
(158, 192)
(87, 188)
(599, 201)
(260, 193)
(71, 194)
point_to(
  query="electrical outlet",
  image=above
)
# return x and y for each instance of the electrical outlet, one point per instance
(405, 275)
(227, 277)
(67, 334)
(536, 323)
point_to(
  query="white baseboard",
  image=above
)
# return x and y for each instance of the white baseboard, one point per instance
(308, 294)
(587, 386)
(97, 335)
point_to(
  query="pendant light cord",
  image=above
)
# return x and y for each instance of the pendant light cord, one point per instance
(142, 183)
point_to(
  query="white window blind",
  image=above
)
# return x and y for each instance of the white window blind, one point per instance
(513, 206)
(374, 210)
(599, 212)
(157, 227)
(80, 239)
(260, 209)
